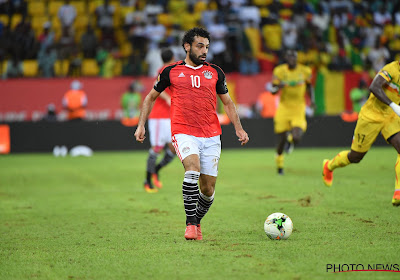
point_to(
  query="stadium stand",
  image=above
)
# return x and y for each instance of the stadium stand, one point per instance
(336, 35)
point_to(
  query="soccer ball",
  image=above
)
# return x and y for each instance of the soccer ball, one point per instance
(278, 226)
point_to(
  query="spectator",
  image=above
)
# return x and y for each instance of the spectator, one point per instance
(75, 102)
(14, 68)
(47, 37)
(67, 15)
(105, 21)
(174, 40)
(299, 14)
(89, 43)
(218, 32)
(247, 13)
(378, 56)
(359, 95)
(75, 63)
(66, 43)
(138, 37)
(152, 8)
(131, 99)
(320, 20)
(155, 32)
(248, 64)
(24, 40)
(133, 65)
(51, 114)
(154, 61)
(106, 61)
(3, 6)
(266, 104)
(382, 16)
(272, 34)
(46, 59)
(289, 34)
(12, 7)
(371, 34)
(208, 15)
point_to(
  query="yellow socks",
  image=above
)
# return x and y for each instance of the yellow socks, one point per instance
(397, 171)
(279, 160)
(340, 160)
(289, 138)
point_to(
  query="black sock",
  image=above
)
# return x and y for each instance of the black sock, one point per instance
(151, 163)
(168, 157)
(203, 205)
(190, 192)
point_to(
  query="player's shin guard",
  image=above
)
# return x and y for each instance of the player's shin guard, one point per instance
(190, 191)
(203, 205)
(340, 160)
(168, 157)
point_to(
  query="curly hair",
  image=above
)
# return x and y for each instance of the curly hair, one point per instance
(190, 34)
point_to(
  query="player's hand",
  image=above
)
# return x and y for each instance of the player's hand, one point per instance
(273, 88)
(139, 134)
(395, 107)
(243, 137)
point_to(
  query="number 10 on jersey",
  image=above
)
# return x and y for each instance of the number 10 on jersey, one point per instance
(195, 81)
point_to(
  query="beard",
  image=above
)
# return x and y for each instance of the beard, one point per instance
(196, 60)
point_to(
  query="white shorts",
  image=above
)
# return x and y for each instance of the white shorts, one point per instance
(208, 150)
(159, 132)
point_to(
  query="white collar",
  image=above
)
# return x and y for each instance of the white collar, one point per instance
(193, 67)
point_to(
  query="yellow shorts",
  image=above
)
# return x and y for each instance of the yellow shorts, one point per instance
(286, 120)
(367, 130)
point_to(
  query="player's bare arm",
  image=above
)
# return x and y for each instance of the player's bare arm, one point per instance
(230, 110)
(166, 97)
(148, 104)
(310, 91)
(376, 89)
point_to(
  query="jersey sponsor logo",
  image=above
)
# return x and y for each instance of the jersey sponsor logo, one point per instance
(181, 75)
(207, 74)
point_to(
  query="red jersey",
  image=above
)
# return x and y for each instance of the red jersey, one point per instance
(193, 97)
(161, 109)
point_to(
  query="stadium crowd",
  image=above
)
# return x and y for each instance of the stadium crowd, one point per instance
(111, 38)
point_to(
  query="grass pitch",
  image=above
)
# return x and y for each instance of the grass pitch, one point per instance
(89, 218)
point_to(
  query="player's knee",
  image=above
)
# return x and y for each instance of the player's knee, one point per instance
(157, 149)
(208, 189)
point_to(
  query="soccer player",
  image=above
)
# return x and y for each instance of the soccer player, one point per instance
(194, 85)
(293, 80)
(160, 133)
(380, 114)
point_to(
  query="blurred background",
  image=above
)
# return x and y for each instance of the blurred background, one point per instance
(106, 49)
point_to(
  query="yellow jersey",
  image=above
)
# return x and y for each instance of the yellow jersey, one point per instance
(376, 109)
(295, 84)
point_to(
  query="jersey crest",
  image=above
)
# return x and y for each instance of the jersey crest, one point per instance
(207, 74)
